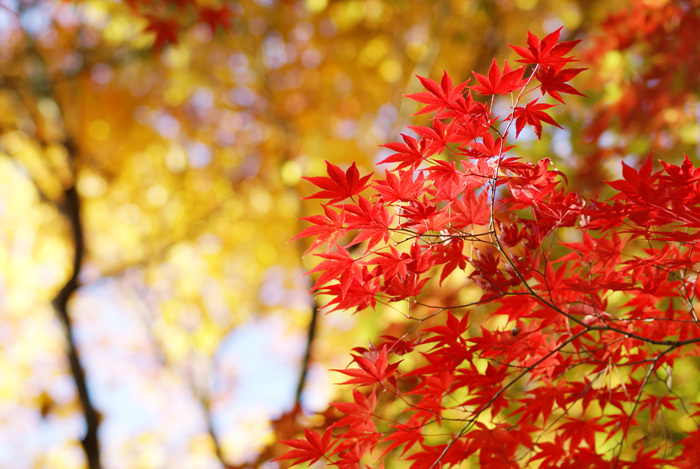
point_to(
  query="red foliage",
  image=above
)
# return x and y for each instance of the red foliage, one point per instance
(566, 358)
(165, 31)
(182, 14)
(659, 39)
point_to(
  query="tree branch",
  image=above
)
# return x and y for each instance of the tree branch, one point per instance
(90, 442)
(310, 334)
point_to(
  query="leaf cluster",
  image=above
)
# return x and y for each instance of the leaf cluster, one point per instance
(585, 305)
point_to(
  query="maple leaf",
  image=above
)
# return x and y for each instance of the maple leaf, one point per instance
(216, 17)
(433, 388)
(338, 265)
(553, 81)
(470, 210)
(448, 182)
(454, 453)
(351, 456)
(452, 256)
(358, 415)
(370, 372)
(646, 459)
(411, 286)
(438, 136)
(471, 128)
(636, 185)
(451, 333)
(339, 185)
(542, 402)
(411, 153)
(309, 449)
(533, 183)
(577, 429)
(438, 97)
(489, 147)
(400, 186)
(164, 30)
(328, 228)
(465, 107)
(371, 219)
(392, 263)
(359, 292)
(690, 457)
(681, 175)
(560, 210)
(497, 83)
(404, 434)
(533, 114)
(399, 346)
(497, 445)
(551, 452)
(422, 215)
(546, 52)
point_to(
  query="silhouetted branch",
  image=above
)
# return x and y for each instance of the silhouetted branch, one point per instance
(310, 334)
(71, 210)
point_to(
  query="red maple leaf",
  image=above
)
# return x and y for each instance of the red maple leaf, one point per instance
(311, 449)
(338, 265)
(371, 219)
(399, 186)
(393, 263)
(497, 83)
(370, 372)
(165, 31)
(578, 429)
(546, 52)
(690, 457)
(471, 128)
(553, 81)
(436, 137)
(637, 185)
(411, 153)
(488, 147)
(551, 452)
(358, 415)
(438, 97)
(470, 210)
(542, 402)
(452, 257)
(411, 286)
(358, 293)
(421, 214)
(340, 185)
(451, 333)
(216, 17)
(533, 114)
(683, 175)
(327, 227)
(405, 434)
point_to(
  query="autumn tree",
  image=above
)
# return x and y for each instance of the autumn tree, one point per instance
(532, 325)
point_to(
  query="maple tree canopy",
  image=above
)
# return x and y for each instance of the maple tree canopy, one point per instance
(566, 357)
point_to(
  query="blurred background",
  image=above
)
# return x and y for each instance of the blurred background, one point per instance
(151, 156)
